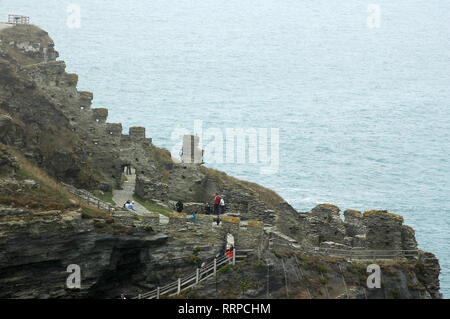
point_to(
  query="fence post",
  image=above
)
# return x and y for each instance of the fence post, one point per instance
(215, 266)
(234, 256)
(179, 286)
(197, 275)
(157, 293)
(98, 203)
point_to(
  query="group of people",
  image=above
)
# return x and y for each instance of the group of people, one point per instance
(218, 209)
(219, 206)
(221, 255)
(129, 205)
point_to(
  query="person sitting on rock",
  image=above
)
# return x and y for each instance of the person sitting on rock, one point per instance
(126, 204)
(207, 209)
(131, 206)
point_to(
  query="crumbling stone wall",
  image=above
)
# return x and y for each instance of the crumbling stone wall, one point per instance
(246, 235)
(375, 229)
(103, 142)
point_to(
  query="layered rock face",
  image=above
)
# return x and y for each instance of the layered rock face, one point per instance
(375, 229)
(37, 248)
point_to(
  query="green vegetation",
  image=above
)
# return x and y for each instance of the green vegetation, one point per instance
(283, 252)
(267, 196)
(245, 285)
(50, 195)
(163, 161)
(321, 268)
(105, 196)
(323, 280)
(258, 266)
(194, 259)
(395, 293)
(225, 269)
(152, 207)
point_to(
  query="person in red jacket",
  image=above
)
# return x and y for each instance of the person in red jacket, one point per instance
(230, 252)
(216, 204)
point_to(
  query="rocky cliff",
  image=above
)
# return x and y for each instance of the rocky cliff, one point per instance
(49, 133)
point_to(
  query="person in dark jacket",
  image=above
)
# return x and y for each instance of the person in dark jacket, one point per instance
(207, 209)
(179, 206)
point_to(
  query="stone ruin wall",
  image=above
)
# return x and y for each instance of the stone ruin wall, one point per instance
(180, 226)
(103, 142)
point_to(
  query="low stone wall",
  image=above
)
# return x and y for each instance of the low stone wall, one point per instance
(246, 235)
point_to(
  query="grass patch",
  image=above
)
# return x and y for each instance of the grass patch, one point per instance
(50, 195)
(152, 207)
(265, 195)
(105, 196)
(163, 161)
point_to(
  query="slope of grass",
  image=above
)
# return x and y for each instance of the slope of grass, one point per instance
(266, 195)
(153, 207)
(105, 196)
(163, 161)
(51, 195)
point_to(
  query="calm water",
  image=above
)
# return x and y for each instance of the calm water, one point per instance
(363, 113)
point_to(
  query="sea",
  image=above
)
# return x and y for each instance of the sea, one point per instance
(352, 97)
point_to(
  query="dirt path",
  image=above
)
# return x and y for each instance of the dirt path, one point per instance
(120, 196)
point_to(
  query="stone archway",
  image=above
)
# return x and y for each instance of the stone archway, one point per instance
(126, 169)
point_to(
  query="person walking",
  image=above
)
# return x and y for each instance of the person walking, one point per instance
(222, 206)
(216, 204)
(218, 220)
(194, 216)
(230, 252)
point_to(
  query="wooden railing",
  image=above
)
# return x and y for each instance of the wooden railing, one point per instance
(201, 274)
(90, 199)
(18, 19)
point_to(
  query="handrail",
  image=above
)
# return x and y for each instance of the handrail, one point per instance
(90, 199)
(182, 284)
